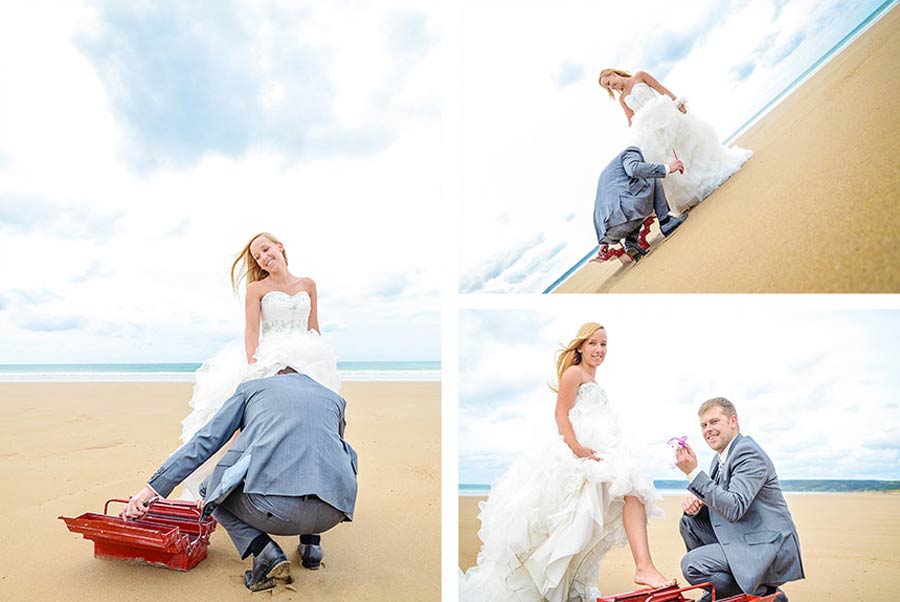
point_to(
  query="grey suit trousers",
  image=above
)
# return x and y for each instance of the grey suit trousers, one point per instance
(630, 229)
(245, 516)
(705, 560)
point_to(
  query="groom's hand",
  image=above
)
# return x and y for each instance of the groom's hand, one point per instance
(685, 459)
(137, 505)
(691, 505)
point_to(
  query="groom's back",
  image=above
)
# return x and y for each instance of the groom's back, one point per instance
(293, 428)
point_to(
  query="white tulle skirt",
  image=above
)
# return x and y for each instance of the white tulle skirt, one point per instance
(660, 130)
(219, 376)
(548, 522)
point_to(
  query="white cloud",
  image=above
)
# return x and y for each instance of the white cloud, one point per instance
(138, 258)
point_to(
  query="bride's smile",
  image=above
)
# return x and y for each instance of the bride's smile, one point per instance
(593, 350)
(267, 254)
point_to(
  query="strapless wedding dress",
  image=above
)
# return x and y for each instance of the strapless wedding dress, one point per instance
(551, 518)
(285, 339)
(659, 128)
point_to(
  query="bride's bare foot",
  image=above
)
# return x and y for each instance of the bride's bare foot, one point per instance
(652, 578)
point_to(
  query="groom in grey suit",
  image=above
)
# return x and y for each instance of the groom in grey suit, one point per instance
(736, 524)
(629, 191)
(289, 472)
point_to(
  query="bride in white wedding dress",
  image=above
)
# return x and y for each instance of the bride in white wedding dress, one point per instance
(281, 330)
(664, 129)
(554, 514)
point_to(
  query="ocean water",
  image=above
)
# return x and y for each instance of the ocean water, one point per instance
(667, 488)
(473, 490)
(768, 106)
(184, 372)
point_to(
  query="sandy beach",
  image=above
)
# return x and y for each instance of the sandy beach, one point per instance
(850, 544)
(813, 211)
(67, 448)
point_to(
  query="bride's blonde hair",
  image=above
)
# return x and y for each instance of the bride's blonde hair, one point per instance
(570, 355)
(251, 269)
(606, 72)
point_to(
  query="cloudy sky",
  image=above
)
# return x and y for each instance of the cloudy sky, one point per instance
(537, 129)
(143, 143)
(817, 388)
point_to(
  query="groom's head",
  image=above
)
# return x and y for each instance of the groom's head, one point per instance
(718, 422)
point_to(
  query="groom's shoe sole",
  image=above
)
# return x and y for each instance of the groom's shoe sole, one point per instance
(280, 573)
(260, 586)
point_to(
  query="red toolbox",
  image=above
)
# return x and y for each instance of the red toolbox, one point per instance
(675, 594)
(170, 535)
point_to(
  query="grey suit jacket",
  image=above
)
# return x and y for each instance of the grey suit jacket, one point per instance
(750, 517)
(290, 443)
(625, 190)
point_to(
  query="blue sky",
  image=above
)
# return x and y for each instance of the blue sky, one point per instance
(817, 388)
(536, 129)
(142, 144)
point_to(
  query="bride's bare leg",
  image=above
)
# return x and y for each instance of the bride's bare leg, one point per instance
(635, 518)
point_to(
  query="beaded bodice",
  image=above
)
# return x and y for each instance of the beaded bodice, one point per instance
(284, 313)
(593, 418)
(639, 96)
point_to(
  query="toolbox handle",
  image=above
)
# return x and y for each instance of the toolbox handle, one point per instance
(164, 503)
(106, 505)
(712, 587)
(147, 505)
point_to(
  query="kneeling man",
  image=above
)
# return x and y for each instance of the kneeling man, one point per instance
(289, 472)
(630, 190)
(736, 525)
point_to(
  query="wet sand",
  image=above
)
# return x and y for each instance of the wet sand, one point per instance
(813, 211)
(850, 544)
(67, 448)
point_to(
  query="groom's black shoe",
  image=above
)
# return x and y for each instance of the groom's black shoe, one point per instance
(269, 566)
(671, 223)
(310, 555)
(634, 250)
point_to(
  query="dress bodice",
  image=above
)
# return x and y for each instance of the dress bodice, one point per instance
(282, 313)
(593, 418)
(639, 96)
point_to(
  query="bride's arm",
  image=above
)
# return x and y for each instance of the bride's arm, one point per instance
(251, 325)
(565, 399)
(313, 307)
(628, 112)
(651, 81)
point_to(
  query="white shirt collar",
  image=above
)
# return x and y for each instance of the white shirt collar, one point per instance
(723, 456)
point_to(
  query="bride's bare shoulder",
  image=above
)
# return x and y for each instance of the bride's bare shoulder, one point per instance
(573, 376)
(258, 288)
(306, 283)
